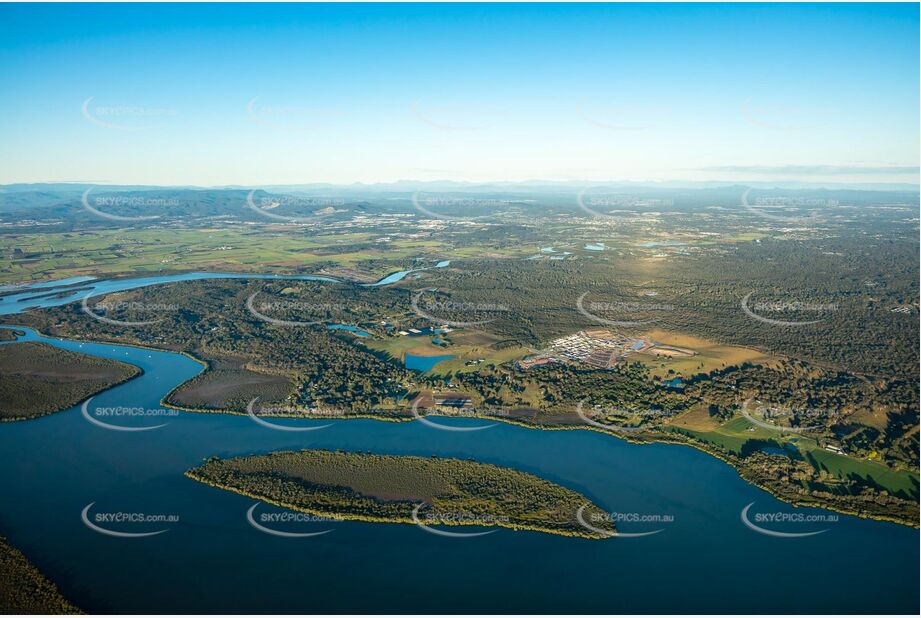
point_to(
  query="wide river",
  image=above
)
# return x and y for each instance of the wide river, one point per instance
(211, 559)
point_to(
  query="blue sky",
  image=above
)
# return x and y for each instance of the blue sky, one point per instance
(270, 94)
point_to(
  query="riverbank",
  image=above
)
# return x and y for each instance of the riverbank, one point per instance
(25, 590)
(750, 475)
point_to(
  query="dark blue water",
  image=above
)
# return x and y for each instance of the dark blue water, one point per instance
(212, 560)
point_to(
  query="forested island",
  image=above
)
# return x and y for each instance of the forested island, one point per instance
(38, 379)
(390, 488)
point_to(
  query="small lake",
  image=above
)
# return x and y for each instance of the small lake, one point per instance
(424, 363)
(213, 561)
(347, 327)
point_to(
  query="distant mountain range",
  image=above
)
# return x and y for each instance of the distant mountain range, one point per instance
(529, 186)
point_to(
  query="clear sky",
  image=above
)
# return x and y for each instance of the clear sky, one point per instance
(269, 94)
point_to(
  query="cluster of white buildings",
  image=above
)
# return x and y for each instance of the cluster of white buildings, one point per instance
(598, 348)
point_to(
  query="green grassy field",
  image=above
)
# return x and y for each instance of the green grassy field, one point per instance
(110, 252)
(465, 345)
(841, 466)
(734, 434)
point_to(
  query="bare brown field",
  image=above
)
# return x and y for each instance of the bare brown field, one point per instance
(708, 355)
